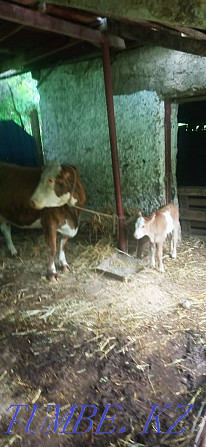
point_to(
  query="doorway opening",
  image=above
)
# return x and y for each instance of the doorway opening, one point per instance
(191, 166)
(191, 143)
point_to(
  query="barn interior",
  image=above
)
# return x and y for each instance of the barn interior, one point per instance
(92, 338)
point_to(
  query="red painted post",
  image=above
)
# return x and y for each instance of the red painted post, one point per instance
(113, 143)
(168, 151)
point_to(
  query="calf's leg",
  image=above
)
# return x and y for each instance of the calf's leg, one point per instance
(175, 239)
(153, 250)
(159, 256)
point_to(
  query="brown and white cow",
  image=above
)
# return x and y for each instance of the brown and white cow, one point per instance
(162, 223)
(30, 198)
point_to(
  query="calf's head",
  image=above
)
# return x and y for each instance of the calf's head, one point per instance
(140, 227)
(56, 187)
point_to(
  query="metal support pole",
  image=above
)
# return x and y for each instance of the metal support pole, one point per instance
(113, 143)
(168, 151)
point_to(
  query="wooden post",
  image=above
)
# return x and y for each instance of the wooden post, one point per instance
(113, 144)
(36, 134)
(168, 151)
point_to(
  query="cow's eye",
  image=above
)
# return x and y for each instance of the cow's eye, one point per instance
(51, 180)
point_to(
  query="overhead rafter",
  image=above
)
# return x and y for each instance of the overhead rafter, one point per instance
(190, 14)
(150, 34)
(35, 19)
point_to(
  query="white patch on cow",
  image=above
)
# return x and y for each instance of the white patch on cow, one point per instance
(6, 230)
(72, 201)
(170, 223)
(139, 230)
(46, 198)
(44, 195)
(62, 258)
(66, 230)
(53, 268)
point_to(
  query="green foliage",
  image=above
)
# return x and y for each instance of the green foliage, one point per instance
(25, 96)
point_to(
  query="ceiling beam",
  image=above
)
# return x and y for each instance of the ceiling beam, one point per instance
(190, 13)
(143, 35)
(35, 19)
(44, 51)
(195, 34)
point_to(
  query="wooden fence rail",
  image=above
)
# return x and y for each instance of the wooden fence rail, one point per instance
(192, 201)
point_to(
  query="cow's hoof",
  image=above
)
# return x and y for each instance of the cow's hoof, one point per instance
(15, 254)
(65, 268)
(52, 277)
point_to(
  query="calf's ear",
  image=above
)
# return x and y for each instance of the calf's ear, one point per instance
(139, 214)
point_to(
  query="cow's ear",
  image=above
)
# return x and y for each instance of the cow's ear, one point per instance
(140, 214)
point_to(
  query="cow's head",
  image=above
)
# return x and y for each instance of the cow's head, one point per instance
(56, 187)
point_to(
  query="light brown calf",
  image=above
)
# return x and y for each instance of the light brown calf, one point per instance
(162, 223)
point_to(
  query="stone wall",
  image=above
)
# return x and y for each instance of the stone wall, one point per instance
(75, 129)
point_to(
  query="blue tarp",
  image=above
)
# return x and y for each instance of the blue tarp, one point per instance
(16, 145)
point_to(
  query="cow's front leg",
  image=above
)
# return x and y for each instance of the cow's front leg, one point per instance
(62, 258)
(6, 230)
(50, 234)
(159, 256)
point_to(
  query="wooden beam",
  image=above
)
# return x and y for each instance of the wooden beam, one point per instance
(150, 35)
(35, 19)
(11, 33)
(68, 13)
(176, 12)
(36, 134)
(28, 58)
(168, 168)
(195, 34)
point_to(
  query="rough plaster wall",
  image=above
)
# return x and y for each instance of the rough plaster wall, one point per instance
(75, 126)
(140, 130)
(75, 130)
(75, 122)
(167, 72)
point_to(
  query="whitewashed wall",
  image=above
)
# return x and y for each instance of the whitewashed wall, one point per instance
(75, 126)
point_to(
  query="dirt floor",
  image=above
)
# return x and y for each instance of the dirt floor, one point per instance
(91, 340)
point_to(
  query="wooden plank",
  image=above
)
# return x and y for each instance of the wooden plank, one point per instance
(68, 13)
(186, 214)
(197, 202)
(198, 224)
(35, 19)
(152, 34)
(36, 133)
(192, 191)
(195, 34)
(198, 232)
(185, 226)
(159, 11)
(184, 202)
